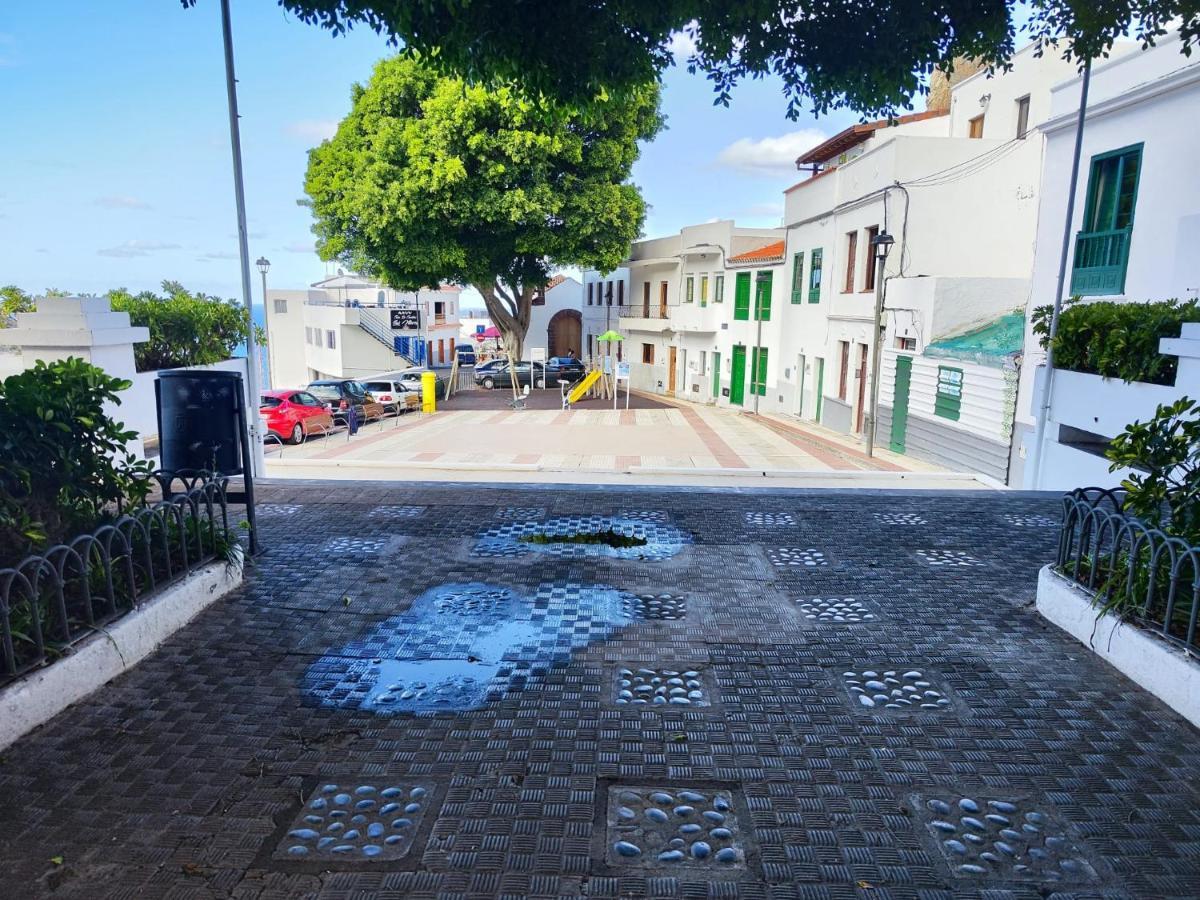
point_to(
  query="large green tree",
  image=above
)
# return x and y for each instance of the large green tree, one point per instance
(431, 179)
(868, 55)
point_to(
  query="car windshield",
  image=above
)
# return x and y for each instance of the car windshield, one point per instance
(356, 389)
(325, 391)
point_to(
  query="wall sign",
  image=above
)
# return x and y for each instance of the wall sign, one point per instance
(406, 320)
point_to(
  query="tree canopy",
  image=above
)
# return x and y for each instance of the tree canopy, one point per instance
(430, 179)
(868, 55)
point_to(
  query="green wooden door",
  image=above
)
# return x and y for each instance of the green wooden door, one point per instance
(820, 364)
(716, 375)
(737, 376)
(741, 297)
(900, 402)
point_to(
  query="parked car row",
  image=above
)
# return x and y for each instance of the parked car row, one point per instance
(557, 370)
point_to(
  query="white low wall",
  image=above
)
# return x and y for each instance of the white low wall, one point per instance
(1164, 670)
(96, 660)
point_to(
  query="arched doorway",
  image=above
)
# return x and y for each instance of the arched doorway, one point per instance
(565, 332)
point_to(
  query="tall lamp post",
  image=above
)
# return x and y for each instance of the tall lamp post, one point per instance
(882, 245)
(264, 266)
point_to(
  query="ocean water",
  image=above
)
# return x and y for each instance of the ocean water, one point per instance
(259, 316)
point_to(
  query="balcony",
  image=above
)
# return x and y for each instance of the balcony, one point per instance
(1101, 258)
(654, 318)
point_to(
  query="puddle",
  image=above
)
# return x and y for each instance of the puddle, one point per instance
(630, 536)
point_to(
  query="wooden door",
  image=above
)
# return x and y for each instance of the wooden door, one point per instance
(862, 387)
(737, 376)
(900, 403)
(819, 363)
(662, 299)
(646, 300)
(671, 371)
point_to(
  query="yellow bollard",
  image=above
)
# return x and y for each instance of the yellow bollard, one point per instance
(428, 392)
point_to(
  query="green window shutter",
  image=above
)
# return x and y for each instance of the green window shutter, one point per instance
(948, 402)
(758, 371)
(762, 297)
(690, 291)
(814, 276)
(741, 297)
(798, 278)
(1102, 247)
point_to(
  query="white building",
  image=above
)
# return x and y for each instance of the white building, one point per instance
(350, 327)
(1136, 230)
(603, 296)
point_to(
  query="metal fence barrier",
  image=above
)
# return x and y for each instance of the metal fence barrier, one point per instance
(1136, 570)
(50, 600)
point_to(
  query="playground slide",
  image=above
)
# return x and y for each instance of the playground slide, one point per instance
(584, 386)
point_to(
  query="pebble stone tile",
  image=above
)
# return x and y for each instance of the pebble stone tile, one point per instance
(1032, 521)
(642, 686)
(276, 510)
(662, 541)
(797, 556)
(521, 512)
(843, 610)
(940, 557)
(673, 829)
(769, 519)
(1004, 839)
(354, 545)
(395, 513)
(902, 690)
(893, 518)
(655, 607)
(354, 821)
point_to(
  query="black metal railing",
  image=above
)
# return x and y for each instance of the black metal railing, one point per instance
(50, 600)
(1135, 570)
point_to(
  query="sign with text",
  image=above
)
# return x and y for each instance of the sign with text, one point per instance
(406, 320)
(537, 354)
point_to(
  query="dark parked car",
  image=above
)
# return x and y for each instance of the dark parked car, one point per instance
(490, 366)
(341, 394)
(502, 376)
(566, 368)
(466, 354)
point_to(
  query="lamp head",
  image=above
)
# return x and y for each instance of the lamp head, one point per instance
(263, 264)
(882, 243)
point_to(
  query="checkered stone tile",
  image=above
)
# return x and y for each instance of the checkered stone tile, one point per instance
(839, 610)
(894, 518)
(396, 513)
(356, 821)
(1004, 839)
(641, 686)
(769, 520)
(655, 607)
(896, 690)
(939, 557)
(797, 556)
(1031, 521)
(673, 829)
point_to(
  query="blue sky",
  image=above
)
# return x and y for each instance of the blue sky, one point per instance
(117, 162)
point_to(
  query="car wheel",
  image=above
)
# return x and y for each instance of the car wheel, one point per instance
(297, 434)
(489, 383)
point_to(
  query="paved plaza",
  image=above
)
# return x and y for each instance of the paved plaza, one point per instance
(430, 692)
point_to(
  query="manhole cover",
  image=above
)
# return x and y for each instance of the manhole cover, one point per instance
(356, 822)
(673, 828)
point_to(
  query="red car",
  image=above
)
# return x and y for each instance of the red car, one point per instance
(292, 414)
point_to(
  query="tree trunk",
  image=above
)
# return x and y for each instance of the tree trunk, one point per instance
(509, 309)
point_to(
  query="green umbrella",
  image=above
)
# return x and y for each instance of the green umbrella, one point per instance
(611, 336)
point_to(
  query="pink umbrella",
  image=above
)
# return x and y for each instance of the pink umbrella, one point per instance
(491, 332)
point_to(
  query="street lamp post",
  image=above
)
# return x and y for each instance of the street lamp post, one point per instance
(882, 245)
(264, 265)
(760, 280)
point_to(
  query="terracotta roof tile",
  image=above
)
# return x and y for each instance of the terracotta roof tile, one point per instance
(856, 134)
(759, 254)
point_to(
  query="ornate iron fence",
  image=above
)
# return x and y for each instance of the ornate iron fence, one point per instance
(51, 600)
(1136, 570)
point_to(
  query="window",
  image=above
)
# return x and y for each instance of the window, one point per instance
(590, 286)
(762, 297)
(379, 298)
(590, 336)
(758, 371)
(869, 259)
(814, 276)
(949, 393)
(797, 278)
(1102, 246)
(703, 362)
(906, 343)
(851, 251)
(704, 290)
(719, 289)
(280, 306)
(647, 353)
(620, 293)
(976, 127)
(331, 340)
(689, 293)
(608, 292)
(439, 311)
(741, 297)
(843, 375)
(1023, 117)
(539, 297)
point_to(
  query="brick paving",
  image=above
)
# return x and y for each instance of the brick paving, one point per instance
(1018, 766)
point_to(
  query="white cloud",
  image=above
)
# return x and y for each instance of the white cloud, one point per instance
(312, 129)
(299, 247)
(219, 254)
(131, 249)
(120, 201)
(770, 155)
(681, 45)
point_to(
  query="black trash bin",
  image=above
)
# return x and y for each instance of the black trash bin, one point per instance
(200, 415)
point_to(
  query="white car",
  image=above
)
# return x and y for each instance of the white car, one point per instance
(394, 393)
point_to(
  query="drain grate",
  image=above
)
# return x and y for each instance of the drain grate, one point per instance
(673, 829)
(356, 822)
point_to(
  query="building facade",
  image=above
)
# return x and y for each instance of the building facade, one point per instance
(603, 296)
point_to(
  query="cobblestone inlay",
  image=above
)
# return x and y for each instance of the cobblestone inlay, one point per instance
(844, 609)
(354, 545)
(1031, 521)
(660, 687)
(1007, 839)
(521, 512)
(907, 690)
(460, 645)
(356, 822)
(395, 513)
(276, 510)
(892, 518)
(796, 556)
(645, 515)
(662, 541)
(939, 557)
(655, 606)
(767, 519)
(673, 829)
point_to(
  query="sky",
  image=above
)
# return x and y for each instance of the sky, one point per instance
(117, 165)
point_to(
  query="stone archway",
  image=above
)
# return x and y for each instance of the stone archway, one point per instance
(565, 332)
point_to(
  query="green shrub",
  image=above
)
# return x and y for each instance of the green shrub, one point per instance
(66, 465)
(1116, 340)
